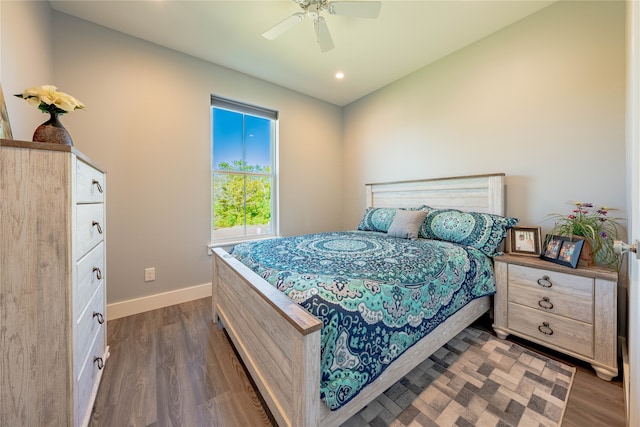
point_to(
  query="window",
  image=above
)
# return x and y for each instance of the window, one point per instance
(243, 172)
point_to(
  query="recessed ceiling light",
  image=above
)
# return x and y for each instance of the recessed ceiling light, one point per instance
(339, 75)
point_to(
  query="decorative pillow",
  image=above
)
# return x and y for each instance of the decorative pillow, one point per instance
(406, 224)
(380, 219)
(377, 219)
(479, 230)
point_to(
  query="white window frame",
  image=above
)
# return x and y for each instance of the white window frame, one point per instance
(244, 108)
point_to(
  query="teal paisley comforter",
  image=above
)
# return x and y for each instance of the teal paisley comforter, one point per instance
(376, 295)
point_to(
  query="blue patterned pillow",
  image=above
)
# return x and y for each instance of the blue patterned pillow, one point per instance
(377, 219)
(479, 230)
(380, 219)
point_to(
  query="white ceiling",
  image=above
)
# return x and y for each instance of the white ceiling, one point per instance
(405, 37)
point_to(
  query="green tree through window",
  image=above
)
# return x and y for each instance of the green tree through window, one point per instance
(242, 172)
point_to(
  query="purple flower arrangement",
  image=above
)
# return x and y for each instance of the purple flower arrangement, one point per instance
(595, 225)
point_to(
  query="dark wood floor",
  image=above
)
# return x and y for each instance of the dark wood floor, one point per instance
(173, 367)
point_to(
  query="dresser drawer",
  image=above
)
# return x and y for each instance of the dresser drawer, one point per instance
(549, 300)
(90, 274)
(90, 184)
(88, 325)
(87, 380)
(561, 333)
(90, 227)
(559, 283)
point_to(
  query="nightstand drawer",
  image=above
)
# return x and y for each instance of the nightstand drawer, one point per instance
(575, 287)
(548, 300)
(572, 310)
(552, 330)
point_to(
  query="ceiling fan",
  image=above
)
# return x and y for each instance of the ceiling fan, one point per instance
(313, 10)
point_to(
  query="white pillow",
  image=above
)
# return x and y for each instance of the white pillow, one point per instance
(406, 224)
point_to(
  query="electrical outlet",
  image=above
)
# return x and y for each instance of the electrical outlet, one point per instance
(149, 274)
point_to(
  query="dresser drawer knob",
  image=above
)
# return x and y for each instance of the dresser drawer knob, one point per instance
(545, 282)
(545, 303)
(545, 329)
(100, 362)
(97, 225)
(97, 184)
(98, 273)
(99, 317)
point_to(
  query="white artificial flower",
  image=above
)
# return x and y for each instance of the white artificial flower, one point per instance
(49, 95)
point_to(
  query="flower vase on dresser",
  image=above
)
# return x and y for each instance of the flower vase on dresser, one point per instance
(49, 100)
(52, 130)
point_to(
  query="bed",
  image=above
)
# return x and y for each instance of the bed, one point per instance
(280, 341)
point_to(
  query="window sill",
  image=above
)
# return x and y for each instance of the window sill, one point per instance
(228, 244)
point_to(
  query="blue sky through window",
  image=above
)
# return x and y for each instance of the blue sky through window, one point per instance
(238, 136)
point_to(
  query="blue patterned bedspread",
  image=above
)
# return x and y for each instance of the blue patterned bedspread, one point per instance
(376, 295)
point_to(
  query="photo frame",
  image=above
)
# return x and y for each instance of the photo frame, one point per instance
(525, 241)
(5, 126)
(562, 250)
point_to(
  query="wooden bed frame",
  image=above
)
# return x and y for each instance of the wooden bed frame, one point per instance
(279, 341)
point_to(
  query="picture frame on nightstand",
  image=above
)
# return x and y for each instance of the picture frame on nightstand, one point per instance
(562, 250)
(524, 241)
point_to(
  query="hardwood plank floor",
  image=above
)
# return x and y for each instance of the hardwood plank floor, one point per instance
(174, 367)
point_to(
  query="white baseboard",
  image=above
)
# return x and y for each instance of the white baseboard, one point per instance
(152, 302)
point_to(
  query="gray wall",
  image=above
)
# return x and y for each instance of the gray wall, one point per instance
(542, 100)
(26, 59)
(147, 122)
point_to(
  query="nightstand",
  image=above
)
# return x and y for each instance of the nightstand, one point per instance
(569, 310)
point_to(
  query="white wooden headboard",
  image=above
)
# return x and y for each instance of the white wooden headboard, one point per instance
(477, 193)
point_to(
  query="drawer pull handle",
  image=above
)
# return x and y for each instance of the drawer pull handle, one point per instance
(545, 303)
(545, 329)
(97, 184)
(97, 225)
(99, 316)
(98, 273)
(545, 282)
(100, 362)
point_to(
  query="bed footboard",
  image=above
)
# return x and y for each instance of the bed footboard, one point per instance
(278, 341)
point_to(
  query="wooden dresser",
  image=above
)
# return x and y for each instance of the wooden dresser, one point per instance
(52, 284)
(569, 310)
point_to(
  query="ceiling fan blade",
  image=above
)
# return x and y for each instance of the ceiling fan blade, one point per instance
(357, 9)
(322, 34)
(275, 31)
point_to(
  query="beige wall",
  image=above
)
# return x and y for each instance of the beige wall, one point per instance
(542, 101)
(27, 59)
(147, 122)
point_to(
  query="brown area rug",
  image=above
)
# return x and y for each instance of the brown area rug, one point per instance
(475, 380)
